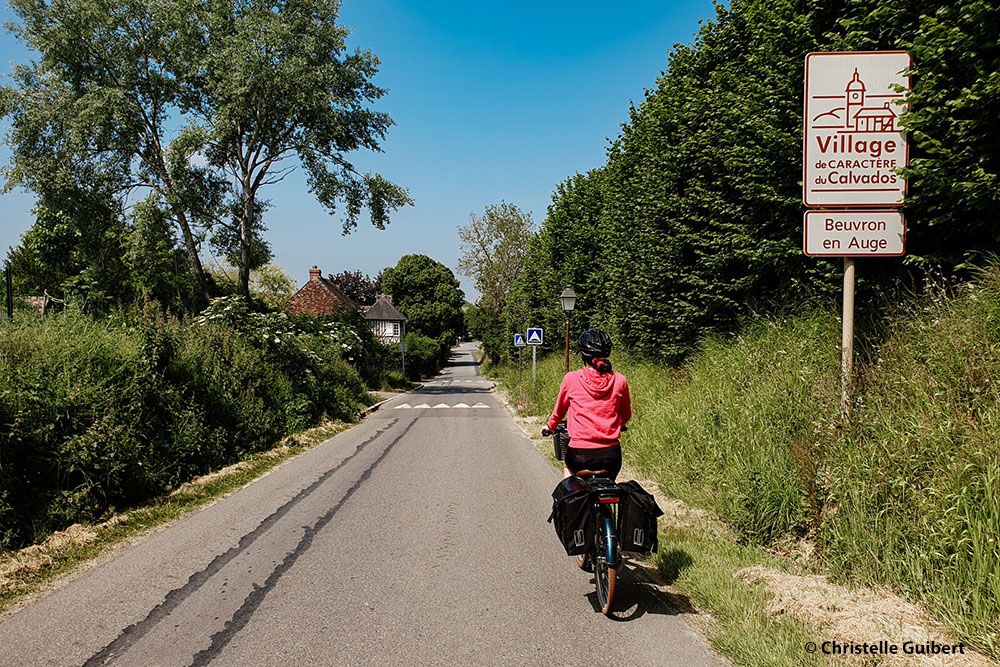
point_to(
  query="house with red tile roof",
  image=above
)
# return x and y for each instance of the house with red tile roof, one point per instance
(320, 296)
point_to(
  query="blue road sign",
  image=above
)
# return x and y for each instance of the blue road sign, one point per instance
(519, 340)
(535, 336)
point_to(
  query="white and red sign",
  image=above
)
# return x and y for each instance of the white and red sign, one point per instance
(854, 234)
(852, 141)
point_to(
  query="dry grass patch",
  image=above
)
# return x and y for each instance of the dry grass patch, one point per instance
(846, 615)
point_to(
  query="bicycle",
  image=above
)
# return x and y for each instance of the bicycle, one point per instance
(605, 495)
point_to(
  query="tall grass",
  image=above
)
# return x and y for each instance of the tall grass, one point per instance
(906, 495)
(914, 488)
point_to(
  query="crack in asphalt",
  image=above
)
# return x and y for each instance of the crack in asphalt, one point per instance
(133, 633)
(242, 616)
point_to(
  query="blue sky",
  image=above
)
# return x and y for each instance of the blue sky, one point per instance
(492, 102)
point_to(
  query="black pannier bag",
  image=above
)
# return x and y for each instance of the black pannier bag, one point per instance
(572, 516)
(637, 513)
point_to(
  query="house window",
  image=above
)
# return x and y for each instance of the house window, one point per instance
(395, 328)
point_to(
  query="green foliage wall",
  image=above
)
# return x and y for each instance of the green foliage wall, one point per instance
(97, 415)
(695, 222)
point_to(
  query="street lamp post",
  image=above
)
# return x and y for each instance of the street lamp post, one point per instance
(568, 301)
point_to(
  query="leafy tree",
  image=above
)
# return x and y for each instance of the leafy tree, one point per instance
(428, 294)
(93, 110)
(202, 104)
(357, 285)
(273, 286)
(270, 82)
(74, 251)
(158, 268)
(493, 250)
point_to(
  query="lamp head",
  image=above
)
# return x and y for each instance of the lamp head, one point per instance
(568, 299)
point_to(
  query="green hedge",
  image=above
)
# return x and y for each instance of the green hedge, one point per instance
(98, 416)
(423, 356)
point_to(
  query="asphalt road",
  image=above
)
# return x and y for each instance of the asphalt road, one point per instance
(416, 538)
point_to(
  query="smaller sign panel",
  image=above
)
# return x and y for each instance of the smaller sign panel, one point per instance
(519, 340)
(535, 336)
(854, 234)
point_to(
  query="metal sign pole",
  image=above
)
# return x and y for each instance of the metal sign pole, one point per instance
(9, 280)
(567, 342)
(534, 350)
(402, 347)
(847, 340)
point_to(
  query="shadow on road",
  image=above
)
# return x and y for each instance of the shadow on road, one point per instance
(639, 593)
(453, 389)
(460, 361)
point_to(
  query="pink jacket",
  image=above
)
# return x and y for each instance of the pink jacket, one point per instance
(598, 407)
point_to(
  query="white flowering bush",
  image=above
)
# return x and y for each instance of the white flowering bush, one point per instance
(318, 356)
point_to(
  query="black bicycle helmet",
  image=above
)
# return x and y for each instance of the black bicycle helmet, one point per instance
(594, 343)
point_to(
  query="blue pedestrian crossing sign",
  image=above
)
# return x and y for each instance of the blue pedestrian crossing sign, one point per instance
(519, 340)
(535, 336)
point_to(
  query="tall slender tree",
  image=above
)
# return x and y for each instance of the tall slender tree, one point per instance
(273, 86)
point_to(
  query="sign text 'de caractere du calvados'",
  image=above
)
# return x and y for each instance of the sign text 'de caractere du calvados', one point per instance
(853, 143)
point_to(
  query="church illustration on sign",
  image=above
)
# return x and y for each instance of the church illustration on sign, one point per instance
(856, 116)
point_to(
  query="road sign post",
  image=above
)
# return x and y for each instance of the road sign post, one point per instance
(535, 337)
(852, 150)
(534, 364)
(520, 344)
(847, 339)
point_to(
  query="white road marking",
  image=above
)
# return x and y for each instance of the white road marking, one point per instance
(423, 406)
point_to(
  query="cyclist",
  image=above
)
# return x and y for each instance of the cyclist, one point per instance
(596, 403)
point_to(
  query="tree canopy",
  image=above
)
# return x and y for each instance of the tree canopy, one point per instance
(358, 286)
(428, 294)
(494, 247)
(194, 107)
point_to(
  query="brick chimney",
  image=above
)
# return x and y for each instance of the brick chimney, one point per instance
(314, 274)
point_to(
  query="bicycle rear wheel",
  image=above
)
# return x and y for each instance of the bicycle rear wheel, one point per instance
(605, 562)
(606, 578)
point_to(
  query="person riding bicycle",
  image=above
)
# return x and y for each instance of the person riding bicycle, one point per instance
(596, 403)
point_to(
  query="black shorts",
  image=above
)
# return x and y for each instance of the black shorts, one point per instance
(602, 458)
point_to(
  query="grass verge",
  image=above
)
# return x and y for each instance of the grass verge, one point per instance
(31, 569)
(705, 567)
